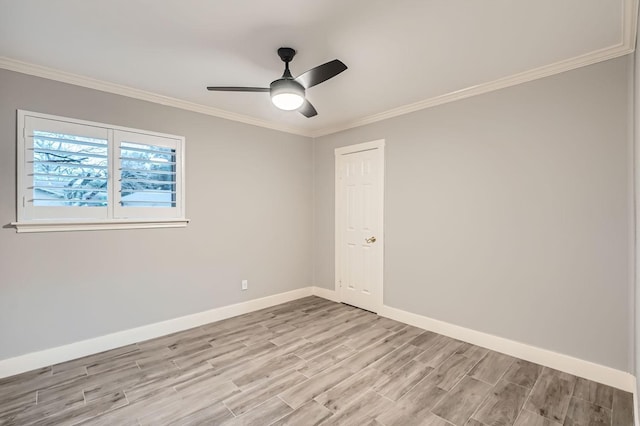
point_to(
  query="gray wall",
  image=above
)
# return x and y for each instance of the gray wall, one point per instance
(248, 198)
(508, 213)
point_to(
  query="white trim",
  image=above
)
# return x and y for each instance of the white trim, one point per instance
(47, 357)
(130, 92)
(34, 226)
(588, 370)
(325, 293)
(364, 146)
(379, 145)
(44, 219)
(21, 114)
(627, 45)
(501, 83)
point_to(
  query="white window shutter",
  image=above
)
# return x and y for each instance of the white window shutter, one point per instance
(75, 174)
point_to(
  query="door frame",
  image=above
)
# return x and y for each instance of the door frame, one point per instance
(339, 210)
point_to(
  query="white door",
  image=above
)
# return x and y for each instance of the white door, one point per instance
(359, 219)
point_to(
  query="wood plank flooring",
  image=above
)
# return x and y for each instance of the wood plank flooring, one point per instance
(307, 362)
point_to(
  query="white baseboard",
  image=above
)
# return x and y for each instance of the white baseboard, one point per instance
(586, 369)
(47, 357)
(325, 293)
(578, 367)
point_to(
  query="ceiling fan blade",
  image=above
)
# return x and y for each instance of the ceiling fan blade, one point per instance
(238, 89)
(321, 73)
(307, 109)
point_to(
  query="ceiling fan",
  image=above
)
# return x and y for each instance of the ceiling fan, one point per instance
(288, 93)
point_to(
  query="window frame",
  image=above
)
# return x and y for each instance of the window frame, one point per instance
(32, 218)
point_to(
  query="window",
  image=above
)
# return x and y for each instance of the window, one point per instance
(75, 175)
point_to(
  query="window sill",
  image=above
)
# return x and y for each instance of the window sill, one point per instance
(42, 226)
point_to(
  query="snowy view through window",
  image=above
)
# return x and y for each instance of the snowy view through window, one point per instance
(70, 170)
(147, 175)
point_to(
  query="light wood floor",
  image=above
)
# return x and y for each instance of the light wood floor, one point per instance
(307, 362)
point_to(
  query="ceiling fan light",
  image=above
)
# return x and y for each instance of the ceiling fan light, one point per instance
(287, 94)
(287, 101)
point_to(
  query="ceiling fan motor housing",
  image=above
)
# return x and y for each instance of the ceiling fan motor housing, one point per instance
(286, 85)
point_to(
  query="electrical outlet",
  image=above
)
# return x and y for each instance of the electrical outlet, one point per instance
(245, 284)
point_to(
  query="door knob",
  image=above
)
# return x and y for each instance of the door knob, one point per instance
(370, 240)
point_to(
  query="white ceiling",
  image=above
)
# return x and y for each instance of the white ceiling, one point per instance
(398, 52)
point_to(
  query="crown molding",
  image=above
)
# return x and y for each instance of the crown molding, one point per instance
(118, 89)
(480, 89)
(626, 45)
(501, 83)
